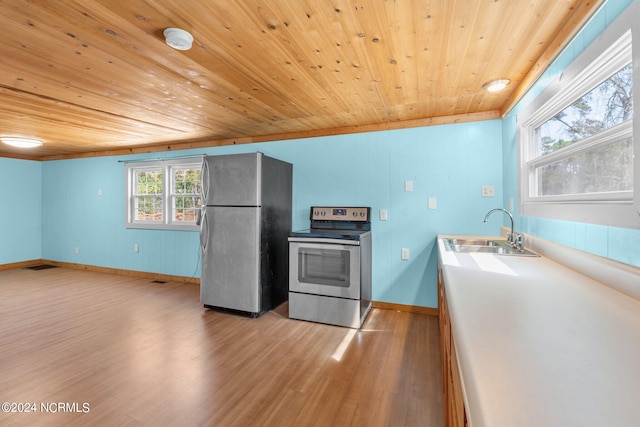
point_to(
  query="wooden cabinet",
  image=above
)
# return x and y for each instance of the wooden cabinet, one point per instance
(455, 414)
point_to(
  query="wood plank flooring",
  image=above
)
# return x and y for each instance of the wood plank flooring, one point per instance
(139, 353)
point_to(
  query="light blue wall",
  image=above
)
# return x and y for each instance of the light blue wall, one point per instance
(84, 205)
(450, 163)
(619, 244)
(20, 210)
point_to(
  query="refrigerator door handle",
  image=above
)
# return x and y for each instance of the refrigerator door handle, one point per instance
(204, 231)
(204, 176)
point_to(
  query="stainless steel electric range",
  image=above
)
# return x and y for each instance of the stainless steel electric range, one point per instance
(330, 267)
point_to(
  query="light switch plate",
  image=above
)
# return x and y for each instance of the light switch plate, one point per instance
(383, 215)
(432, 203)
(408, 185)
(405, 254)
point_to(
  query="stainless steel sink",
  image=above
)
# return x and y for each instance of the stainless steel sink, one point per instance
(472, 248)
(499, 247)
(474, 242)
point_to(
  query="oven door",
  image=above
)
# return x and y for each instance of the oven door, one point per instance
(330, 268)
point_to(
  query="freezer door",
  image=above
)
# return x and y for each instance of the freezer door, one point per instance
(230, 240)
(232, 180)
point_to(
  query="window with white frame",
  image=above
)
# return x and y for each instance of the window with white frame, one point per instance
(163, 194)
(577, 141)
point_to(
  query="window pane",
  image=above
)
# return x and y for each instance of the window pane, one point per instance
(148, 182)
(186, 188)
(148, 208)
(186, 181)
(603, 169)
(607, 105)
(186, 208)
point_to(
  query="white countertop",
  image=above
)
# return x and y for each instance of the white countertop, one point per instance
(540, 344)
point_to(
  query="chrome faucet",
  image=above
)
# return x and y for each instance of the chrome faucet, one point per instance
(515, 239)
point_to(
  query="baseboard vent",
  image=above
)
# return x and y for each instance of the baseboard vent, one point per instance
(40, 267)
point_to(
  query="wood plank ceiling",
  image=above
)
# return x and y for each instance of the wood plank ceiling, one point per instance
(95, 77)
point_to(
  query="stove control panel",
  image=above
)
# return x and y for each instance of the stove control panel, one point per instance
(333, 213)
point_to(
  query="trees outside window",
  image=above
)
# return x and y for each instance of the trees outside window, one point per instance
(147, 195)
(576, 138)
(163, 194)
(597, 168)
(185, 193)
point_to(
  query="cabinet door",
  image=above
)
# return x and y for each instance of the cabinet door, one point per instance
(452, 385)
(442, 314)
(457, 401)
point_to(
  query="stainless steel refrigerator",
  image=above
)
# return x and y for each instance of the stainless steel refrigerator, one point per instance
(245, 224)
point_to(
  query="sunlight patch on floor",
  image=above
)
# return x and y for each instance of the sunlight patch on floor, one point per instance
(337, 355)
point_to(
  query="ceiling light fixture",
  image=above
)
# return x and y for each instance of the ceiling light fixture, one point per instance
(178, 38)
(21, 142)
(496, 85)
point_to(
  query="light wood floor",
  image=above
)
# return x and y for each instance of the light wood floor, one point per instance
(144, 353)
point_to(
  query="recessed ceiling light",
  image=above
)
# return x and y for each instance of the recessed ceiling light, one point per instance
(21, 142)
(178, 38)
(496, 85)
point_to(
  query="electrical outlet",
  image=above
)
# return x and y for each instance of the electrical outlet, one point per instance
(383, 215)
(432, 203)
(77, 250)
(405, 254)
(136, 248)
(408, 185)
(488, 191)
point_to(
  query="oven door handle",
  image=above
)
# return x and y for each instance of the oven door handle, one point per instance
(324, 240)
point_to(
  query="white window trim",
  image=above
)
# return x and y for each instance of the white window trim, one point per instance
(167, 166)
(607, 55)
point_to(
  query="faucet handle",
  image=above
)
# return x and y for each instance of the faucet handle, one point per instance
(518, 242)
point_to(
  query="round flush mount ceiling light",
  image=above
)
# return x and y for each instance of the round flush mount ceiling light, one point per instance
(21, 142)
(496, 85)
(178, 39)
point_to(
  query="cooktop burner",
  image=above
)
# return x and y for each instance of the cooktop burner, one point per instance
(323, 233)
(330, 222)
